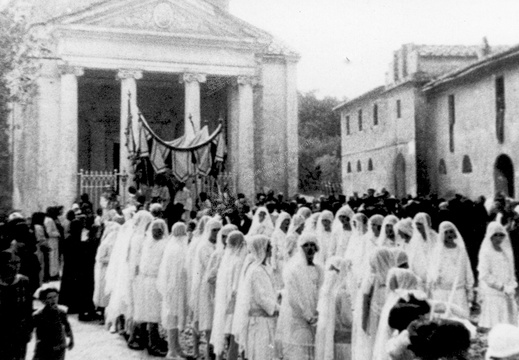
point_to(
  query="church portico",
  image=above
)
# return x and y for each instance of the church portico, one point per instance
(196, 66)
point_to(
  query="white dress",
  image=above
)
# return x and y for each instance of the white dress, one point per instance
(497, 307)
(104, 251)
(262, 323)
(148, 303)
(302, 293)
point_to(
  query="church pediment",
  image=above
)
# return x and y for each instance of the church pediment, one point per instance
(190, 17)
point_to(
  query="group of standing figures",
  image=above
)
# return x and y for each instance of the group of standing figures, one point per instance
(309, 286)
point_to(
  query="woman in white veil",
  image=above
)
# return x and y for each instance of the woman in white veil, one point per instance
(342, 229)
(327, 245)
(400, 283)
(297, 225)
(359, 227)
(261, 223)
(370, 300)
(172, 286)
(404, 233)
(141, 221)
(497, 280)
(450, 277)
(278, 242)
(368, 244)
(387, 235)
(261, 302)
(303, 279)
(305, 212)
(191, 250)
(333, 336)
(225, 292)
(117, 273)
(422, 245)
(311, 223)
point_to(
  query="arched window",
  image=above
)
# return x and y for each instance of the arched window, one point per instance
(466, 167)
(359, 166)
(370, 165)
(349, 167)
(442, 168)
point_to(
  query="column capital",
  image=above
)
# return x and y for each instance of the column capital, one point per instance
(65, 68)
(129, 74)
(247, 80)
(192, 77)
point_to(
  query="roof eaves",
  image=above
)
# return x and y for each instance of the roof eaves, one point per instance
(470, 69)
(373, 92)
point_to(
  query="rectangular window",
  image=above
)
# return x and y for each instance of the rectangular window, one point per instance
(500, 109)
(398, 109)
(360, 120)
(348, 125)
(375, 114)
(452, 121)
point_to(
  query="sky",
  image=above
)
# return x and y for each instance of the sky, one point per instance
(346, 45)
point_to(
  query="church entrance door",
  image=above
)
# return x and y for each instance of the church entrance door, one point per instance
(504, 175)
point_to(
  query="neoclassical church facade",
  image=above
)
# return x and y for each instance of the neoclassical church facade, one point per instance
(183, 64)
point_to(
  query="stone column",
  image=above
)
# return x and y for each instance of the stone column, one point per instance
(68, 134)
(192, 102)
(128, 80)
(245, 167)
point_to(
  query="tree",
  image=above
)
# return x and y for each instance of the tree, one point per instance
(319, 141)
(20, 47)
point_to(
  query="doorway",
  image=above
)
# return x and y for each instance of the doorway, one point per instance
(400, 176)
(504, 175)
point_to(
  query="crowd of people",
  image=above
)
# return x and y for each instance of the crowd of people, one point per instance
(364, 278)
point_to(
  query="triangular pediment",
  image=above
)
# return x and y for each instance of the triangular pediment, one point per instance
(190, 17)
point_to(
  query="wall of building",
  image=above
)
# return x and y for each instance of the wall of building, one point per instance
(271, 127)
(381, 143)
(474, 133)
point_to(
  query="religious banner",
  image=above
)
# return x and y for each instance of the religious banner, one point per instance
(186, 157)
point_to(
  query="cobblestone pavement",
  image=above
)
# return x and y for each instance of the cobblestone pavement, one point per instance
(95, 342)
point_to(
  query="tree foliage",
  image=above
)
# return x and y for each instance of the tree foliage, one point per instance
(20, 47)
(319, 141)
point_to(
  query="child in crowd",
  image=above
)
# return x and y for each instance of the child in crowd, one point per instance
(52, 328)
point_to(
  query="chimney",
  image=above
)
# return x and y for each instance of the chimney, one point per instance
(222, 4)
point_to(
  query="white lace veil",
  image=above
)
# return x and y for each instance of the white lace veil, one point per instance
(265, 227)
(172, 279)
(383, 239)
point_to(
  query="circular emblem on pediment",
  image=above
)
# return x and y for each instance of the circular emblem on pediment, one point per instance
(163, 15)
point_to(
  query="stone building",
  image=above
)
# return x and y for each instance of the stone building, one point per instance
(172, 60)
(391, 136)
(473, 127)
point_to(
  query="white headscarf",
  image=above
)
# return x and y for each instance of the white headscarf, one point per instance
(311, 223)
(326, 241)
(383, 239)
(335, 276)
(462, 259)
(117, 274)
(141, 221)
(419, 249)
(487, 247)
(172, 279)
(304, 212)
(358, 222)
(278, 240)
(265, 227)
(342, 236)
(198, 272)
(297, 221)
(226, 284)
(400, 282)
(405, 226)
(191, 249)
(257, 246)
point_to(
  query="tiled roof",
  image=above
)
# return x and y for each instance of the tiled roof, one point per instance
(48, 9)
(447, 50)
(498, 54)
